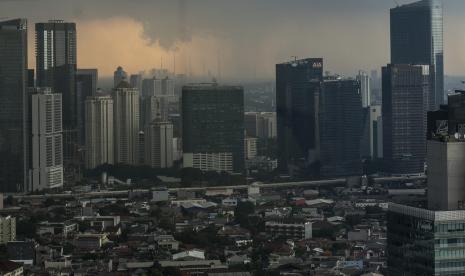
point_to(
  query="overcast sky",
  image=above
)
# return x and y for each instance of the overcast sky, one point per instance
(237, 38)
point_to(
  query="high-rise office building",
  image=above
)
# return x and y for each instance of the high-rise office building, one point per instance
(46, 139)
(417, 38)
(430, 241)
(405, 99)
(341, 127)
(365, 89)
(126, 123)
(425, 242)
(446, 155)
(298, 85)
(159, 144)
(56, 60)
(13, 106)
(56, 64)
(119, 75)
(213, 127)
(99, 131)
(86, 86)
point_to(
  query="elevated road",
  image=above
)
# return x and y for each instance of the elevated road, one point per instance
(280, 185)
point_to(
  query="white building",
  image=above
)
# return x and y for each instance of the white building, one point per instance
(126, 124)
(99, 131)
(250, 148)
(159, 144)
(7, 229)
(220, 162)
(47, 140)
(365, 91)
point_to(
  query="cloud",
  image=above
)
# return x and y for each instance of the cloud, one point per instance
(240, 38)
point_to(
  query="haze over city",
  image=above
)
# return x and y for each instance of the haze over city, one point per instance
(239, 39)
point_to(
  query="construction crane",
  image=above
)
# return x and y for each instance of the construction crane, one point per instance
(397, 3)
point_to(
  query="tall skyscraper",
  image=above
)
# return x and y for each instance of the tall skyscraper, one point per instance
(417, 38)
(99, 131)
(47, 139)
(405, 99)
(119, 76)
(341, 127)
(213, 127)
(298, 85)
(159, 144)
(365, 90)
(13, 106)
(126, 123)
(56, 61)
(86, 86)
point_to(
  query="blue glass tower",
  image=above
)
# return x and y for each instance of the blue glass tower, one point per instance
(417, 38)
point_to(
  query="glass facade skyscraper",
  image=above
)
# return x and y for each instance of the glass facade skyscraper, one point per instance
(341, 125)
(298, 85)
(425, 242)
(417, 38)
(213, 127)
(13, 106)
(405, 90)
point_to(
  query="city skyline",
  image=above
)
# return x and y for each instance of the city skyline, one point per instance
(214, 42)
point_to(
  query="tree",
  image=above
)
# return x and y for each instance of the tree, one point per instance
(242, 212)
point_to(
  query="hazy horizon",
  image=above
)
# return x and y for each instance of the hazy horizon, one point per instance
(233, 39)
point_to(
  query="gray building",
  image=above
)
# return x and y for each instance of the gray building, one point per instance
(417, 38)
(56, 61)
(405, 100)
(446, 155)
(135, 80)
(341, 124)
(213, 127)
(425, 242)
(86, 86)
(298, 84)
(99, 131)
(159, 144)
(126, 124)
(14, 147)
